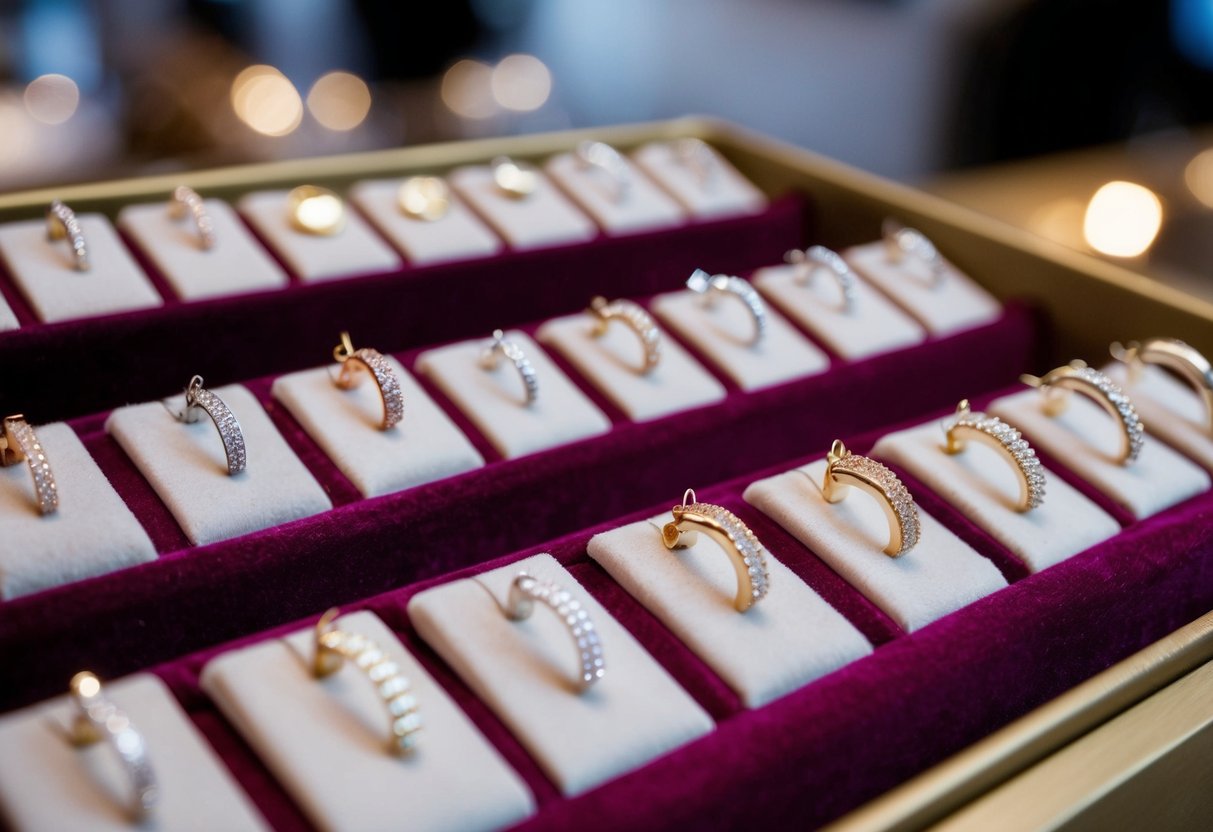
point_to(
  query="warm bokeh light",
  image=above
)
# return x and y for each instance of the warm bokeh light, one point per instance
(1122, 219)
(88, 686)
(317, 210)
(1199, 176)
(466, 89)
(339, 100)
(424, 197)
(521, 82)
(52, 99)
(267, 101)
(517, 180)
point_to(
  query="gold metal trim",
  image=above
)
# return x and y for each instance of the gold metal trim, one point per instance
(988, 763)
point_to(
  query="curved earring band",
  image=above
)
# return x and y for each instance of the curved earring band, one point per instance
(901, 242)
(514, 179)
(333, 647)
(815, 258)
(499, 346)
(19, 443)
(602, 157)
(525, 591)
(185, 201)
(315, 210)
(100, 719)
(426, 198)
(746, 553)
(199, 400)
(354, 362)
(697, 155)
(63, 224)
(636, 319)
(1097, 387)
(966, 426)
(709, 286)
(845, 470)
(1175, 355)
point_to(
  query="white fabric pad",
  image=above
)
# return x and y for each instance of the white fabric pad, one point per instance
(8, 318)
(424, 447)
(955, 303)
(982, 485)
(326, 739)
(612, 364)
(1169, 409)
(724, 331)
(47, 783)
(939, 575)
(644, 206)
(236, 264)
(45, 271)
(186, 466)
(786, 640)
(726, 193)
(871, 326)
(91, 533)
(458, 235)
(355, 250)
(544, 218)
(524, 671)
(494, 399)
(1085, 439)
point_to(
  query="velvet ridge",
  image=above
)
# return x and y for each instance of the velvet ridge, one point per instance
(830, 746)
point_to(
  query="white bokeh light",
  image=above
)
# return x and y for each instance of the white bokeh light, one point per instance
(521, 83)
(1122, 219)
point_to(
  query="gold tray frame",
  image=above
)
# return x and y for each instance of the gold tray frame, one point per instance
(1090, 302)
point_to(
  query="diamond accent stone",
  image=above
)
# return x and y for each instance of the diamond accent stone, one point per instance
(100, 719)
(637, 319)
(198, 398)
(21, 443)
(185, 200)
(389, 681)
(711, 286)
(1012, 443)
(62, 223)
(894, 491)
(747, 549)
(499, 346)
(1102, 386)
(901, 241)
(373, 362)
(814, 258)
(526, 590)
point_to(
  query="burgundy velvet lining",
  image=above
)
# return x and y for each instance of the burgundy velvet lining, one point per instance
(59, 371)
(810, 756)
(797, 762)
(192, 597)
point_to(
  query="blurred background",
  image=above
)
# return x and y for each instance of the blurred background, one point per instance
(1080, 120)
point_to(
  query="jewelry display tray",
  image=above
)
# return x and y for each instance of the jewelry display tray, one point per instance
(802, 760)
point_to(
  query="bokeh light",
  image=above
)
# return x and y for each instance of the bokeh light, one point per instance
(339, 100)
(1122, 219)
(467, 89)
(266, 100)
(1199, 176)
(52, 99)
(88, 686)
(317, 210)
(521, 83)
